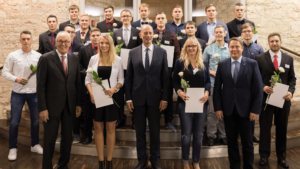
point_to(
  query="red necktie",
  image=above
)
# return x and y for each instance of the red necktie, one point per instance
(275, 62)
(64, 64)
(52, 40)
(82, 33)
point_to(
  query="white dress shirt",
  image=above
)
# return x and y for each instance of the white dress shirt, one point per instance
(279, 56)
(150, 51)
(60, 58)
(18, 62)
(128, 32)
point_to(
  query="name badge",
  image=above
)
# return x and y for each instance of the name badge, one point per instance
(134, 37)
(87, 43)
(287, 66)
(76, 53)
(167, 42)
(139, 28)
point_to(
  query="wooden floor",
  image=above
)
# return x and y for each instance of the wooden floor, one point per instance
(28, 160)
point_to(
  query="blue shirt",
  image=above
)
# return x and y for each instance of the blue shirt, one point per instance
(208, 55)
(233, 65)
(172, 27)
(211, 28)
(252, 50)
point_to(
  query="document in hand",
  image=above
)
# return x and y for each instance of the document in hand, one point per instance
(170, 54)
(124, 57)
(193, 104)
(100, 98)
(279, 91)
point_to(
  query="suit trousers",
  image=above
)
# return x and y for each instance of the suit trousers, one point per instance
(168, 112)
(51, 130)
(234, 125)
(281, 116)
(140, 115)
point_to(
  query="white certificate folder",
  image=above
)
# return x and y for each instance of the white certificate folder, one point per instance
(193, 104)
(124, 57)
(170, 54)
(100, 98)
(279, 91)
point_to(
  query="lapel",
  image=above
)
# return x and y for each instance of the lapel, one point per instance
(87, 36)
(47, 40)
(268, 58)
(141, 58)
(70, 64)
(90, 52)
(242, 68)
(154, 57)
(234, 27)
(104, 26)
(77, 37)
(228, 66)
(58, 63)
(139, 23)
(130, 38)
(283, 58)
(205, 31)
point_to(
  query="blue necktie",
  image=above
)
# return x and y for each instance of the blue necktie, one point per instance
(147, 60)
(236, 71)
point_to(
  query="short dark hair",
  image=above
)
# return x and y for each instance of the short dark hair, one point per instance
(125, 10)
(25, 32)
(246, 25)
(239, 4)
(210, 5)
(274, 34)
(178, 6)
(70, 25)
(51, 16)
(109, 6)
(236, 39)
(190, 23)
(94, 30)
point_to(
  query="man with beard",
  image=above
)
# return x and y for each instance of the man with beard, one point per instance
(108, 24)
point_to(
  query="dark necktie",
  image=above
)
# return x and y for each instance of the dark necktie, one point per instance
(109, 27)
(236, 71)
(160, 35)
(147, 60)
(52, 40)
(275, 62)
(95, 50)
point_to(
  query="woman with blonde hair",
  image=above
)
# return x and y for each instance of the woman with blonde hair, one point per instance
(108, 66)
(196, 72)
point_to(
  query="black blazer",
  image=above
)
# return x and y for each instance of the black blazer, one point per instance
(267, 69)
(103, 27)
(147, 88)
(134, 40)
(201, 42)
(64, 24)
(77, 37)
(44, 43)
(137, 24)
(76, 47)
(54, 88)
(233, 31)
(84, 56)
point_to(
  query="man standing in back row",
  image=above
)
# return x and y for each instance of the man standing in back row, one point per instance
(73, 15)
(144, 11)
(177, 25)
(108, 24)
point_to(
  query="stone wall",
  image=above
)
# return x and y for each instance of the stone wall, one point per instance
(16, 15)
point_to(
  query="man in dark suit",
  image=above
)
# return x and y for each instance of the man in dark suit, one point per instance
(144, 11)
(131, 39)
(89, 108)
(239, 102)
(190, 29)
(176, 25)
(47, 39)
(75, 47)
(147, 82)
(235, 25)
(268, 63)
(73, 15)
(109, 24)
(58, 94)
(83, 35)
(207, 28)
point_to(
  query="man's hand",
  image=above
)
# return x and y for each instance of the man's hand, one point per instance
(252, 116)
(92, 98)
(44, 115)
(219, 115)
(130, 106)
(212, 73)
(207, 44)
(162, 106)
(21, 81)
(268, 90)
(78, 111)
(288, 96)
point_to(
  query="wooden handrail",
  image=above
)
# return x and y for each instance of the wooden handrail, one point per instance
(293, 52)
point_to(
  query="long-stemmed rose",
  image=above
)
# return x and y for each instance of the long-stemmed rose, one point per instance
(118, 47)
(33, 72)
(112, 30)
(184, 84)
(155, 36)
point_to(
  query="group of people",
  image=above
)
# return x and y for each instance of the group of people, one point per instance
(234, 71)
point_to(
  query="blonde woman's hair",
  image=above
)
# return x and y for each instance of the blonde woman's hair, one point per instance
(199, 57)
(111, 52)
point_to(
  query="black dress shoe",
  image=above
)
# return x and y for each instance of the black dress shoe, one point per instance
(210, 141)
(141, 165)
(133, 127)
(101, 165)
(263, 161)
(120, 123)
(255, 138)
(155, 166)
(223, 141)
(87, 141)
(283, 163)
(108, 164)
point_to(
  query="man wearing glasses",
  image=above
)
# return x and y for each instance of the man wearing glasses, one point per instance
(75, 47)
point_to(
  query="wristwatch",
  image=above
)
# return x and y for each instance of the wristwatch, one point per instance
(179, 92)
(117, 89)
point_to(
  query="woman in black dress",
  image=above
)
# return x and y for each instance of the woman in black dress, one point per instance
(196, 72)
(108, 66)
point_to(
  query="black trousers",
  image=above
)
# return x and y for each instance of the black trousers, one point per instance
(51, 130)
(234, 125)
(153, 114)
(168, 112)
(281, 121)
(89, 111)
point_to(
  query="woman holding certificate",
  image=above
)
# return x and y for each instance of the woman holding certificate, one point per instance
(108, 67)
(194, 70)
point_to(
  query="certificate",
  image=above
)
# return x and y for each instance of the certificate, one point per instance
(279, 91)
(254, 37)
(193, 104)
(100, 98)
(170, 54)
(124, 57)
(211, 39)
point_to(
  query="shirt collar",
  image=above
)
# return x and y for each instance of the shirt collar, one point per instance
(60, 55)
(249, 44)
(145, 21)
(129, 28)
(55, 33)
(224, 47)
(93, 46)
(240, 21)
(176, 24)
(22, 52)
(239, 60)
(215, 22)
(150, 47)
(77, 23)
(112, 21)
(157, 30)
(278, 54)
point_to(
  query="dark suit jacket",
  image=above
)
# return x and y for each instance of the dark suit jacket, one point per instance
(203, 34)
(147, 88)
(137, 41)
(137, 24)
(267, 69)
(84, 56)
(64, 24)
(245, 95)
(233, 31)
(76, 47)
(201, 42)
(103, 27)
(44, 43)
(54, 88)
(77, 37)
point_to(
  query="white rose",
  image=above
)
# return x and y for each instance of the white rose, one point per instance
(281, 69)
(155, 36)
(150, 21)
(115, 25)
(119, 38)
(216, 55)
(89, 70)
(183, 31)
(180, 73)
(258, 25)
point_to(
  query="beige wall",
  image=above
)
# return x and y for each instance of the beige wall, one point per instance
(16, 15)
